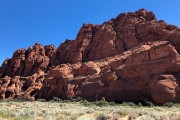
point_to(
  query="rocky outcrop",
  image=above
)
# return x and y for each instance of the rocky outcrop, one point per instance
(25, 87)
(130, 76)
(126, 31)
(133, 57)
(28, 62)
(165, 87)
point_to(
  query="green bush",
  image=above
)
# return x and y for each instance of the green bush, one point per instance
(76, 99)
(30, 99)
(122, 113)
(41, 100)
(139, 104)
(169, 104)
(18, 99)
(86, 103)
(4, 115)
(129, 104)
(101, 103)
(112, 103)
(148, 103)
(56, 99)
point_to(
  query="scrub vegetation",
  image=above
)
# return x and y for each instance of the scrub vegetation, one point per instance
(78, 109)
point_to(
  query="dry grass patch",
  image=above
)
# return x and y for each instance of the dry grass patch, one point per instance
(38, 110)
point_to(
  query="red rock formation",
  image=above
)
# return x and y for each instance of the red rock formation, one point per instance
(27, 62)
(25, 87)
(124, 32)
(165, 88)
(128, 76)
(133, 57)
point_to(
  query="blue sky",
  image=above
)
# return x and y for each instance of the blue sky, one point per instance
(25, 22)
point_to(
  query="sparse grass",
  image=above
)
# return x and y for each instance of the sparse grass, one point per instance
(84, 110)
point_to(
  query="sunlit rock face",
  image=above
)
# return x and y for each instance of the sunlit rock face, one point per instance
(133, 57)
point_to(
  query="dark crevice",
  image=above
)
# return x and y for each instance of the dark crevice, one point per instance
(115, 40)
(137, 36)
(8, 64)
(118, 38)
(149, 55)
(85, 54)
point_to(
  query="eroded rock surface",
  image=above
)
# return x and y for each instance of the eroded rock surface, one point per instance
(129, 76)
(25, 87)
(133, 57)
(27, 62)
(126, 31)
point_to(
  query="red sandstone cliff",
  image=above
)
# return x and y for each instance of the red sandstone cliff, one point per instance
(28, 62)
(130, 58)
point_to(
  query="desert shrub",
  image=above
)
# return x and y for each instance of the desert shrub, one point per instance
(177, 105)
(65, 101)
(132, 117)
(112, 103)
(66, 113)
(101, 117)
(139, 104)
(7, 114)
(14, 116)
(4, 114)
(169, 104)
(86, 103)
(60, 117)
(156, 115)
(76, 99)
(116, 117)
(145, 117)
(30, 99)
(174, 116)
(101, 103)
(18, 99)
(27, 114)
(74, 117)
(41, 100)
(129, 104)
(122, 113)
(89, 111)
(56, 99)
(147, 103)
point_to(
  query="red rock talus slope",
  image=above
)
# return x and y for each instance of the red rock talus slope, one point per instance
(133, 57)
